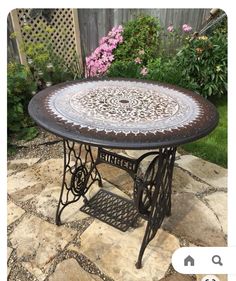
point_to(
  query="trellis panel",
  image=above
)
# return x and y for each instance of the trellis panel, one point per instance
(64, 37)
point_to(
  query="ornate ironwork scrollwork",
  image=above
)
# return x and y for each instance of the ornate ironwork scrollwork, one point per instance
(79, 180)
(79, 174)
(153, 195)
(144, 189)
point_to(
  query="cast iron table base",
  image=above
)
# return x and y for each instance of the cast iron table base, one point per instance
(151, 192)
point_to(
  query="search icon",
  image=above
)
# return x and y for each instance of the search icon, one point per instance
(217, 260)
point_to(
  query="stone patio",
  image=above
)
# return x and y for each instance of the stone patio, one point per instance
(84, 248)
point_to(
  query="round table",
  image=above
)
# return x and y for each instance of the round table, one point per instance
(124, 114)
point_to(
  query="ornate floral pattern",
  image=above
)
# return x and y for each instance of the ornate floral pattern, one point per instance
(124, 107)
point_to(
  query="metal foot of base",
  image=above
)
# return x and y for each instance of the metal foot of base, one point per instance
(168, 214)
(138, 265)
(58, 222)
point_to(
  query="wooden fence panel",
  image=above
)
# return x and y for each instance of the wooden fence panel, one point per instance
(95, 23)
(12, 49)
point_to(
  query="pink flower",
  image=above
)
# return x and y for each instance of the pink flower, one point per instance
(112, 41)
(103, 40)
(144, 71)
(104, 47)
(141, 52)
(100, 60)
(186, 28)
(120, 28)
(111, 58)
(138, 60)
(170, 28)
(121, 39)
(111, 34)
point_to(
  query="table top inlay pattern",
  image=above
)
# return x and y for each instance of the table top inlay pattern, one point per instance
(131, 107)
(123, 113)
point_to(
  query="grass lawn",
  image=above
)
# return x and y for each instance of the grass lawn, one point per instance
(213, 147)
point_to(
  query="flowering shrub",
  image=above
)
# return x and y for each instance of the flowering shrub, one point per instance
(170, 28)
(142, 42)
(203, 63)
(198, 63)
(186, 28)
(100, 60)
(175, 37)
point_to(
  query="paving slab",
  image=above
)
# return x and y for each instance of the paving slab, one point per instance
(192, 219)
(218, 203)
(50, 171)
(23, 186)
(13, 212)
(106, 186)
(46, 202)
(117, 177)
(27, 184)
(116, 252)
(94, 151)
(20, 164)
(40, 274)
(70, 270)
(37, 242)
(208, 172)
(135, 154)
(8, 271)
(183, 182)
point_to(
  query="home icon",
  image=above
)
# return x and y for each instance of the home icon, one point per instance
(189, 261)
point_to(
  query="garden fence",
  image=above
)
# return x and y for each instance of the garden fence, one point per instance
(84, 27)
(95, 23)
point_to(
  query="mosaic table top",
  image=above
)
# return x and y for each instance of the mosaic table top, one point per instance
(123, 113)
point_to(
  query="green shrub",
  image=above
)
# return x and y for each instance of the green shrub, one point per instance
(141, 39)
(203, 63)
(20, 85)
(163, 70)
(126, 69)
